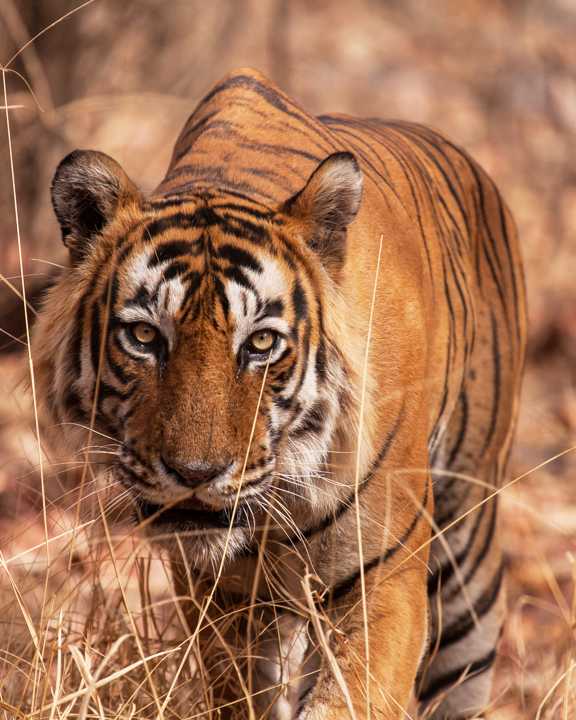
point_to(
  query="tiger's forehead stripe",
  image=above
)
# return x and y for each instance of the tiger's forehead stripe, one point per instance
(163, 273)
(173, 232)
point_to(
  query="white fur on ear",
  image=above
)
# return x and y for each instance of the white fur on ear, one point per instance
(327, 204)
(337, 186)
(87, 189)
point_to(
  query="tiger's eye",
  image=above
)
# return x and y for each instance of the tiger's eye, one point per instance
(144, 333)
(261, 341)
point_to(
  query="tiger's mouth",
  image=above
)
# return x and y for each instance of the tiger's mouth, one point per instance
(192, 514)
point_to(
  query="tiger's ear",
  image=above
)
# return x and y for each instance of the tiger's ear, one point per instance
(88, 189)
(327, 204)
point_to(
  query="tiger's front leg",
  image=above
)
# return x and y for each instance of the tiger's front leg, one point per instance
(397, 623)
(396, 603)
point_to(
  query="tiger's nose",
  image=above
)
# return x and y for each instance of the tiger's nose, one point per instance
(193, 474)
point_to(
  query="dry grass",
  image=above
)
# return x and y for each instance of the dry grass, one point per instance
(90, 623)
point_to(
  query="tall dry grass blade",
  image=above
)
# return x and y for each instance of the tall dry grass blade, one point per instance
(363, 392)
(22, 606)
(28, 87)
(31, 61)
(6, 281)
(552, 689)
(54, 539)
(30, 363)
(58, 682)
(104, 681)
(133, 626)
(323, 640)
(45, 30)
(253, 596)
(14, 711)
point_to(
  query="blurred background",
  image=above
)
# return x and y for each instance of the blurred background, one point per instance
(497, 76)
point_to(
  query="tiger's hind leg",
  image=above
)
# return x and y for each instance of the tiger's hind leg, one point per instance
(466, 608)
(467, 603)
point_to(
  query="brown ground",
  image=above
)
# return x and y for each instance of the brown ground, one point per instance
(497, 77)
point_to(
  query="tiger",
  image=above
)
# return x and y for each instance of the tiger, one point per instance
(308, 344)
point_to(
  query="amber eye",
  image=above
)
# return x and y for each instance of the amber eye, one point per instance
(144, 333)
(261, 342)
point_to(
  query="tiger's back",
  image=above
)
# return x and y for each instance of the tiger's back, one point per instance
(409, 318)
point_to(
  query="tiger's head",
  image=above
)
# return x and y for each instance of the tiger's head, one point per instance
(196, 332)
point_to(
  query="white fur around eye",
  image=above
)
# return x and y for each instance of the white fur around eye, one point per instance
(269, 285)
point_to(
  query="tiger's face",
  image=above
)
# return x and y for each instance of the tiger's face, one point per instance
(197, 341)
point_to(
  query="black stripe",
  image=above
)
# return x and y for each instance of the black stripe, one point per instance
(95, 337)
(451, 678)
(140, 299)
(504, 231)
(462, 430)
(133, 475)
(244, 229)
(312, 421)
(451, 313)
(368, 166)
(158, 226)
(221, 294)
(192, 280)
(445, 572)
(201, 217)
(445, 511)
(458, 274)
(248, 83)
(420, 141)
(274, 177)
(486, 545)
(303, 699)
(106, 391)
(465, 623)
(408, 169)
(169, 251)
(497, 283)
(321, 360)
(239, 256)
(272, 308)
(196, 174)
(171, 201)
(236, 275)
(273, 98)
(73, 406)
(480, 186)
(190, 129)
(346, 585)
(75, 351)
(174, 270)
(75, 344)
(261, 213)
(346, 504)
(299, 301)
(279, 150)
(496, 385)
(117, 370)
(304, 360)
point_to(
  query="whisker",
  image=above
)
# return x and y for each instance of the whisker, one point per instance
(91, 430)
